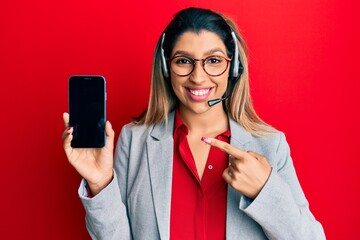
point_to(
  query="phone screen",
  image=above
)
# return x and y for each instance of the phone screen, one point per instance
(87, 109)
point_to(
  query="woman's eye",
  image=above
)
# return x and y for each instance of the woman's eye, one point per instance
(213, 60)
(183, 61)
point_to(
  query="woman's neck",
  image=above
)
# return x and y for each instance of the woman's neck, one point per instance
(209, 123)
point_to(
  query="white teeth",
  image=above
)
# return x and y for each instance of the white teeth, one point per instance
(199, 92)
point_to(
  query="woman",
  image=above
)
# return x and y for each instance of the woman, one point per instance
(198, 163)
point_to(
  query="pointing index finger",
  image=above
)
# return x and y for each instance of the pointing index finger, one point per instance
(224, 146)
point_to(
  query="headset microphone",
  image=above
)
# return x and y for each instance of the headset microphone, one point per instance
(216, 101)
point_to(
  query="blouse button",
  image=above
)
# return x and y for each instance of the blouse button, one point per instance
(210, 167)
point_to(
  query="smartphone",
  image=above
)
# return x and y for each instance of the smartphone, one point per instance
(87, 110)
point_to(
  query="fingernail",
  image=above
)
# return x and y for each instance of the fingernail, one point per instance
(68, 130)
(206, 140)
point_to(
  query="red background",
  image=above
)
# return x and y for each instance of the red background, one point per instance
(303, 59)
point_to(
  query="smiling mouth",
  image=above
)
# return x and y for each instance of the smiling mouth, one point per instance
(199, 92)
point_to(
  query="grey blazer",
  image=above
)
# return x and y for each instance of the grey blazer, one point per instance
(136, 204)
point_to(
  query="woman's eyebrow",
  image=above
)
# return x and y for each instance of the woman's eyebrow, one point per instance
(179, 52)
(211, 51)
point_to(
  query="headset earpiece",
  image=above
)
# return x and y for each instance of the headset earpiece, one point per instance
(236, 68)
(163, 59)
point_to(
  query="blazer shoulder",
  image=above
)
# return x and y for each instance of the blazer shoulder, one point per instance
(269, 138)
(132, 127)
(131, 130)
(273, 140)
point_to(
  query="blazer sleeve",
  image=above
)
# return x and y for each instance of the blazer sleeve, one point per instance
(281, 207)
(106, 213)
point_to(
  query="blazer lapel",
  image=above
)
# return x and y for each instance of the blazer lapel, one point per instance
(160, 157)
(239, 136)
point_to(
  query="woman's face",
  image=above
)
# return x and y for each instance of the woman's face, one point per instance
(195, 90)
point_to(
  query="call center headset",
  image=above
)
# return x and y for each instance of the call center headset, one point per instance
(236, 68)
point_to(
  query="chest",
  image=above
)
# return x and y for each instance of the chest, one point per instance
(200, 153)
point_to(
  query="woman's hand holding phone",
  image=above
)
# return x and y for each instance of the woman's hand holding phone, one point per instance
(93, 164)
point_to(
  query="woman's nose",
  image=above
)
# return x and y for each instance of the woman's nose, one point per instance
(198, 75)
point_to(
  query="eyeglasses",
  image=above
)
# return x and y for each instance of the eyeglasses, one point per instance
(213, 65)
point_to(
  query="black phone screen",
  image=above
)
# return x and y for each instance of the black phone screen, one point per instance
(87, 109)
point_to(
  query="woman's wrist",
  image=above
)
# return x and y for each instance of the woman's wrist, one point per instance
(95, 188)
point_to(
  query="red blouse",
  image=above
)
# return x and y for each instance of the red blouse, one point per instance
(198, 207)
